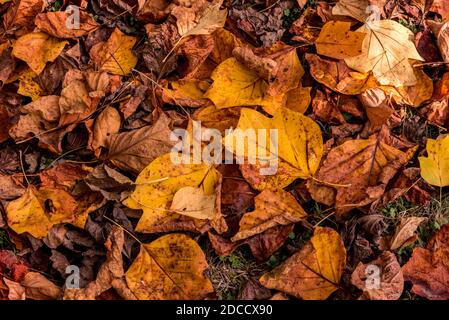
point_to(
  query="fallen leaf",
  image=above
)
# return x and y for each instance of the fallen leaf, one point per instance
(157, 185)
(440, 7)
(359, 170)
(134, 150)
(207, 19)
(428, 270)
(115, 55)
(110, 183)
(380, 279)
(357, 9)
(314, 272)
(273, 208)
(38, 287)
(107, 124)
(387, 49)
(110, 275)
(38, 210)
(169, 268)
(193, 202)
(336, 75)
(337, 41)
(236, 85)
(36, 49)
(187, 93)
(57, 24)
(435, 168)
(38, 119)
(262, 245)
(405, 232)
(299, 143)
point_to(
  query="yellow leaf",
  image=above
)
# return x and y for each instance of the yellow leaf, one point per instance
(36, 49)
(28, 87)
(188, 93)
(38, 210)
(193, 202)
(299, 143)
(236, 85)
(171, 267)
(435, 168)
(273, 207)
(156, 186)
(315, 271)
(387, 48)
(115, 55)
(337, 41)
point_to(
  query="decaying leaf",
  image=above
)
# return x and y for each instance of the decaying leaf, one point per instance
(405, 232)
(314, 272)
(171, 267)
(110, 275)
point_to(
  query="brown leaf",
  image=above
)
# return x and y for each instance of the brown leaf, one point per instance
(273, 208)
(253, 290)
(38, 118)
(134, 150)
(337, 76)
(428, 268)
(63, 176)
(360, 171)
(235, 191)
(57, 24)
(7, 62)
(107, 124)
(9, 189)
(262, 245)
(23, 13)
(405, 232)
(314, 272)
(380, 279)
(109, 182)
(37, 287)
(110, 275)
